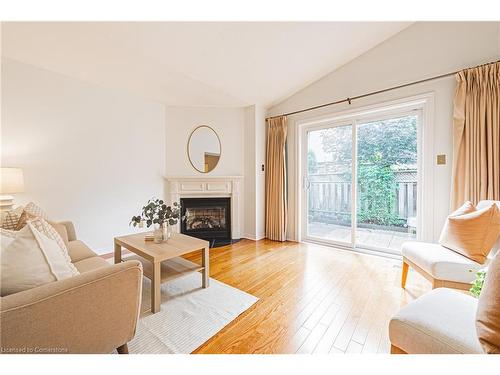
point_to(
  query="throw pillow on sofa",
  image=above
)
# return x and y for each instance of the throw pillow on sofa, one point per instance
(30, 211)
(51, 232)
(6, 237)
(32, 259)
(471, 232)
(10, 219)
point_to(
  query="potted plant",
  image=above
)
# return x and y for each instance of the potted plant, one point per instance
(157, 214)
(477, 285)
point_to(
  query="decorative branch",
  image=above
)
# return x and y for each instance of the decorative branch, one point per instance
(157, 212)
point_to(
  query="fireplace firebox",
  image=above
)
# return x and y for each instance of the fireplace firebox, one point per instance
(207, 218)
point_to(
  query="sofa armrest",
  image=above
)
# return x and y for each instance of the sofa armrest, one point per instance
(70, 229)
(94, 312)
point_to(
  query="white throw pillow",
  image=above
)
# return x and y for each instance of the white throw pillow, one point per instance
(49, 231)
(30, 260)
(6, 237)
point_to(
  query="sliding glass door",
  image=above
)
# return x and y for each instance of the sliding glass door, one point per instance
(329, 183)
(360, 181)
(387, 171)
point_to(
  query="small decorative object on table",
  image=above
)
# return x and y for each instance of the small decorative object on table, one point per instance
(157, 214)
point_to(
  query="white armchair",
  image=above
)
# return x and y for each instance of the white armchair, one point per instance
(442, 321)
(446, 321)
(441, 266)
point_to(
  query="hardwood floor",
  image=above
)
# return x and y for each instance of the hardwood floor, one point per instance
(312, 298)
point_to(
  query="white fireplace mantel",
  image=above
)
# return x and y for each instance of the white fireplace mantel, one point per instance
(210, 186)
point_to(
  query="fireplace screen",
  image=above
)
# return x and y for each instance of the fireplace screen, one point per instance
(211, 218)
(207, 218)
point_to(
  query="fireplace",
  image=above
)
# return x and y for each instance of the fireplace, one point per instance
(207, 218)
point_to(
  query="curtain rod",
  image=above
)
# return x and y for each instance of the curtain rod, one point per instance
(349, 100)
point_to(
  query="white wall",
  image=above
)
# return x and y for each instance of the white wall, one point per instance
(254, 176)
(228, 124)
(260, 159)
(89, 154)
(420, 51)
(249, 219)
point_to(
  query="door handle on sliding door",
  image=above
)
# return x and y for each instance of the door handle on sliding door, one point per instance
(307, 183)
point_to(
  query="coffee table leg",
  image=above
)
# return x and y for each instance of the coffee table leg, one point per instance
(118, 253)
(155, 288)
(205, 263)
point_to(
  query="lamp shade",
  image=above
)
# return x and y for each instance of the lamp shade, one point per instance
(12, 181)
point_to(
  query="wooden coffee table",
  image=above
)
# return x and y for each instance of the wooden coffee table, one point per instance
(162, 262)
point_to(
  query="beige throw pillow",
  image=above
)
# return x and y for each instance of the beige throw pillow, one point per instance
(32, 259)
(488, 309)
(472, 232)
(30, 211)
(10, 219)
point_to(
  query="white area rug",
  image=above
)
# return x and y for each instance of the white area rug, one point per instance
(189, 316)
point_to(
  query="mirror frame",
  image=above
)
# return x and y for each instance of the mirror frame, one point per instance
(189, 142)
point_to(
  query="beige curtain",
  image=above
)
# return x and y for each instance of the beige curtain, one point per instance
(476, 135)
(276, 200)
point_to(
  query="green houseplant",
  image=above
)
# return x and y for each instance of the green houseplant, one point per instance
(157, 214)
(477, 285)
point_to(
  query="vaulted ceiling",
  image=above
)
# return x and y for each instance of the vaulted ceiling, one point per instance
(197, 64)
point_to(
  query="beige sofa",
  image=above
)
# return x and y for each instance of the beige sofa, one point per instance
(94, 312)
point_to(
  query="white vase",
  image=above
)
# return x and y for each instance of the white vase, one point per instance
(167, 231)
(158, 233)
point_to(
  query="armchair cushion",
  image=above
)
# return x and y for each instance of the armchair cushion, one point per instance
(440, 262)
(441, 321)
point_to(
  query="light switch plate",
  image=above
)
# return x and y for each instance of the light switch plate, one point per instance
(441, 159)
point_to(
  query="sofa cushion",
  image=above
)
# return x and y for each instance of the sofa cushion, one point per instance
(441, 321)
(32, 259)
(488, 310)
(90, 264)
(78, 250)
(440, 262)
(472, 232)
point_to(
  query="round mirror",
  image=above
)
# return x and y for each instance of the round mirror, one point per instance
(204, 149)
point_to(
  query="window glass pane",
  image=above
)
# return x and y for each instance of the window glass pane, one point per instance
(387, 182)
(329, 170)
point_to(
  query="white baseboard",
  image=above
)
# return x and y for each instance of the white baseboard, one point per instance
(253, 237)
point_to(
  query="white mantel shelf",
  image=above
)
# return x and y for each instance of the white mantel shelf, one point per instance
(202, 177)
(210, 186)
